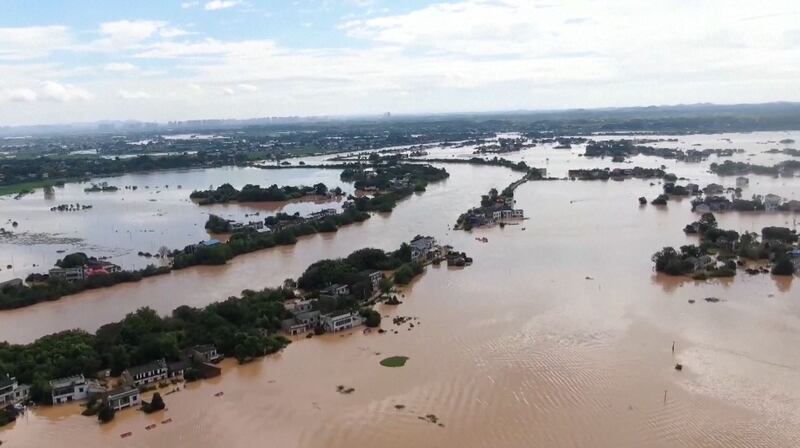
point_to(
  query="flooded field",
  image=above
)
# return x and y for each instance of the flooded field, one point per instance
(559, 335)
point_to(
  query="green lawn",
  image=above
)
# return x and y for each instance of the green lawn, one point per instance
(394, 361)
(25, 186)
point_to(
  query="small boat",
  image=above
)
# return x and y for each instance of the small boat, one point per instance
(164, 422)
(219, 394)
(126, 434)
(149, 427)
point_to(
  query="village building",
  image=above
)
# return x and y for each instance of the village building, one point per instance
(67, 389)
(68, 274)
(205, 353)
(146, 373)
(322, 214)
(421, 248)
(340, 321)
(742, 181)
(375, 278)
(178, 368)
(772, 201)
(336, 290)
(123, 397)
(11, 392)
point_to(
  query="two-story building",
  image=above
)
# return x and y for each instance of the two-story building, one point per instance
(336, 290)
(69, 274)
(146, 373)
(340, 321)
(123, 397)
(11, 392)
(205, 353)
(67, 389)
(421, 247)
(375, 278)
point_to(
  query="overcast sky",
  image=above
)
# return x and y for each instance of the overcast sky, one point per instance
(157, 60)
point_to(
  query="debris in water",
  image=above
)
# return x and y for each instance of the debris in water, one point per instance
(678, 366)
(711, 299)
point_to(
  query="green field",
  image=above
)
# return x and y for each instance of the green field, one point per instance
(394, 361)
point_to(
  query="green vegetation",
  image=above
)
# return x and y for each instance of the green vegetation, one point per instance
(730, 168)
(216, 224)
(394, 361)
(106, 413)
(254, 193)
(719, 249)
(53, 289)
(156, 404)
(244, 327)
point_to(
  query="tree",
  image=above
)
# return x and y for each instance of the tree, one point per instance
(385, 285)
(784, 266)
(106, 413)
(155, 405)
(215, 224)
(372, 318)
(73, 260)
(163, 251)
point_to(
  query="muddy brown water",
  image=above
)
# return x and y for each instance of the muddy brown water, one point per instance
(520, 349)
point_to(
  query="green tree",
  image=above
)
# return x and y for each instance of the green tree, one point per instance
(106, 413)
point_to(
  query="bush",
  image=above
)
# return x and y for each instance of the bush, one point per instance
(155, 405)
(372, 318)
(106, 413)
(784, 266)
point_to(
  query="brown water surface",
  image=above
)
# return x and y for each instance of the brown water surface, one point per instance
(558, 335)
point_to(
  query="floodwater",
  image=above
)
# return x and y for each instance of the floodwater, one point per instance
(559, 335)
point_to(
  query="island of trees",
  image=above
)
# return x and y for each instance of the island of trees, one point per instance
(254, 193)
(721, 251)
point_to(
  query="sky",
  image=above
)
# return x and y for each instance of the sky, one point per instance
(161, 60)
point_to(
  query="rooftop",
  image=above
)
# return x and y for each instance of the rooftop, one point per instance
(67, 381)
(150, 366)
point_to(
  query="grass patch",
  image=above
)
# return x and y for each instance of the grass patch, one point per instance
(394, 361)
(28, 186)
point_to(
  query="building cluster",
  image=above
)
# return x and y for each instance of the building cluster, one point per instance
(128, 390)
(769, 202)
(91, 269)
(495, 213)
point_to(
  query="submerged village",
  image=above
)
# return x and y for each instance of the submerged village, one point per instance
(509, 199)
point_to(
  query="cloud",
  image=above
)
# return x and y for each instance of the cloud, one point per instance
(32, 42)
(62, 93)
(188, 5)
(134, 95)
(208, 48)
(227, 91)
(130, 31)
(120, 67)
(23, 95)
(215, 5)
(247, 87)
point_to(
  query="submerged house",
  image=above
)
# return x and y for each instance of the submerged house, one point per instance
(422, 247)
(339, 321)
(11, 392)
(146, 373)
(68, 389)
(123, 397)
(205, 353)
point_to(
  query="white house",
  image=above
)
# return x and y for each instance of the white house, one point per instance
(123, 397)
(72, 388)
(772, 201)
(421, 246)
(340, 321)
(68, 274)
(11, 392)
(146, 373)
(336, 290)
(375, 278)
